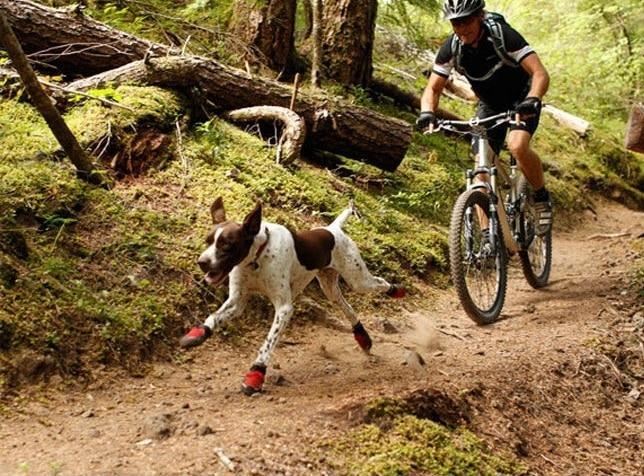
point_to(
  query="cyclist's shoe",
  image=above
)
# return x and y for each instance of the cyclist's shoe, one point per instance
(543, 216)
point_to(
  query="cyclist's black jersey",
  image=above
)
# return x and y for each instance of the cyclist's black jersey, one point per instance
(496, 83)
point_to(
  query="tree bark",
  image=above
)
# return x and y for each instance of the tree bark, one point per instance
(317, 43)
(635, 129)
(84, 167)
(349, 31)
(72, 42)
(266, 27)
(352, 131)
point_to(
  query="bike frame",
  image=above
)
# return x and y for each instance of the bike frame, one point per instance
(488, 166)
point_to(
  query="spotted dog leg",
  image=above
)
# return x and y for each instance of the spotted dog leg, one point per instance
(354, 271)
(232, 307)
(254, 379)
(329, 282)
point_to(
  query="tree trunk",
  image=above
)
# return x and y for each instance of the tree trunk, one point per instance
(635, 129)
(317, 43)
(42, 102)
(348, 36)
(308, 18)
(266, 27)
(352, 131)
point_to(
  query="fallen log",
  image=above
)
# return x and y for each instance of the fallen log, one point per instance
(74, 42)
(293, 135)
(635, 129)
(352, 131)
(71, 42)
(565, 119)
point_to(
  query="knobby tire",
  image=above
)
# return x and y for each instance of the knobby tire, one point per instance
(536, 253)
(461, 264)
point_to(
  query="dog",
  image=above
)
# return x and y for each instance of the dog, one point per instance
(267, 258)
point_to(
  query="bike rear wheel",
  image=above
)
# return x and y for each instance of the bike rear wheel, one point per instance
(479, 272)
(536, 251)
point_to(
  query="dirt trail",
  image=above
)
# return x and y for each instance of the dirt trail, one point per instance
(527, 381)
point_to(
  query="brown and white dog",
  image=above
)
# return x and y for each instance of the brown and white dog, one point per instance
(266, 258)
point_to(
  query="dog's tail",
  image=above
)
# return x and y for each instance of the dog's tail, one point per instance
(344, 216)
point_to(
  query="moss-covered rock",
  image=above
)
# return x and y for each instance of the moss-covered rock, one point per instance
(412, 445)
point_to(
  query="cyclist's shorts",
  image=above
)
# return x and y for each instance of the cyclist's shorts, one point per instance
(496, 136)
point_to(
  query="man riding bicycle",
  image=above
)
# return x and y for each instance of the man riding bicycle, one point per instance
(505, 74)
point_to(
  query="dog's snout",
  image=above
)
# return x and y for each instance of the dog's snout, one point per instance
(204, 263)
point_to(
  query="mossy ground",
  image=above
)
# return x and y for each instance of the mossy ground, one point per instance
(109, 276)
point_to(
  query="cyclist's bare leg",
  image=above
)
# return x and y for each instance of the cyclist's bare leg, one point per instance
(519, 145)
(529, 161)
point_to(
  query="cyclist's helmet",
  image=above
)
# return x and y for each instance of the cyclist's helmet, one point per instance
(453, 9)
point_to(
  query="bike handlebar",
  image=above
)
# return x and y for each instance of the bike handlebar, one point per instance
(511, 117)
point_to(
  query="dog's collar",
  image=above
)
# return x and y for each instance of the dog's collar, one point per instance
(260, 250)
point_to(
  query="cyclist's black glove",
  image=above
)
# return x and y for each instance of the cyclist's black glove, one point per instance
(530, 106)
(425, 119)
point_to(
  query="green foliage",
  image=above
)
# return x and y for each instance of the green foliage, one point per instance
(413, 18)
(37, 188)
(199, 26)
(23, 132)
(595, 58)
(121, 16)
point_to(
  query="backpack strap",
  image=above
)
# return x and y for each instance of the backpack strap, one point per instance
(492, 22)
(456, 53)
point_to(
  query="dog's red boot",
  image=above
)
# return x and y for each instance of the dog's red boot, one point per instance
(254, 380)
(196, 336)
(396, 291)
(362, 337)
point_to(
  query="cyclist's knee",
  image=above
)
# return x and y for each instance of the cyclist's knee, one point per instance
(518, 146)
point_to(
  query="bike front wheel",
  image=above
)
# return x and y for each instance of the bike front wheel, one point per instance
(536, 251)
(478, 268)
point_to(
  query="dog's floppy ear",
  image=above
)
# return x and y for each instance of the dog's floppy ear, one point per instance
(217, 211)
(253, 220)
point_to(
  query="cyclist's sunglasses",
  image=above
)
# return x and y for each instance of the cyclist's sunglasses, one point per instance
(464, 20)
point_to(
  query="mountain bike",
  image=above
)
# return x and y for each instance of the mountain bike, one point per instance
(491, 221)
